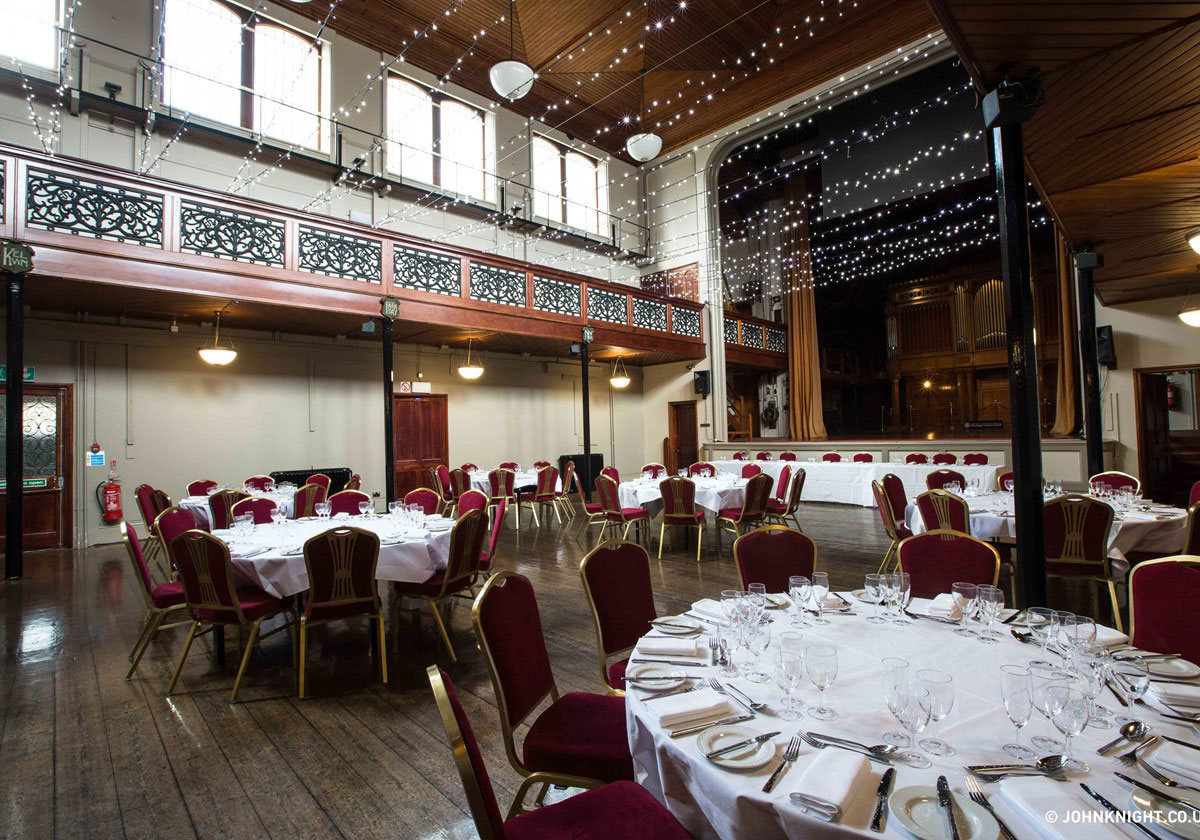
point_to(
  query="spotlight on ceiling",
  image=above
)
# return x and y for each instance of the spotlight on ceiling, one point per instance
(644, 147)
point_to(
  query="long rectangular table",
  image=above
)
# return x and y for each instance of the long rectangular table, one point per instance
(712, 494)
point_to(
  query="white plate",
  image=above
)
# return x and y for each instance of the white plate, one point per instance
(1179, 669)
(1179, 821)
(916, 808)
(693, 625)
(439, 525)
(656, 669)
(861, 594)
(750, 758)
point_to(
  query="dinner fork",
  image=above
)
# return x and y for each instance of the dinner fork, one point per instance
(790, 754)
(1130, 758)
(1163, 779)
(714, 645)
(716, 686)
(977, 796)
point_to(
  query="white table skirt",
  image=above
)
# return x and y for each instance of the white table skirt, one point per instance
(713, 803)
(849, 483)
(479, 481)
(711, 494)
(200, 509)
(992, 519)
(413, 560)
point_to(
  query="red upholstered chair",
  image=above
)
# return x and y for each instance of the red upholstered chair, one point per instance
(941, 510)
(863, 458)
(426, 498)
(771, 554)
(539, 465)
(657, 470)
(355, 483)
(462, 566)
(763, 456)
(781, 483)
(319, 478)
(509, 465)
(441, 483)
(1194, 495)
(612, 473)
(616, 580)
(347, 501)
(1191, 544)
(1162, 599)
(593, 510)
(679, 510)
(751, 470)
(563, 494)
(162, 601)
(500, 487)
(1114, 480)
(787, 456)
(752, 511)
(944, 459)
(220, 506)
(614, 514)
(1007, 475)
(212, 598)
(938, 479)
(1077, 530)
(579, 739)
(545, 493)
(341, 584)
(473, 500)
(916, 458)
(975, 459)
(702, 468)
(781, 510)
(261, 483)
(893, 488)
(304, 503)
(460, 482)
(893, 526)
(258, 507)
(151, 503)
(740, 456)
(199, 487)
(936, 560)
(831, 458)
(469, 467)
(620, 809)
(170, 524)
(487, 556)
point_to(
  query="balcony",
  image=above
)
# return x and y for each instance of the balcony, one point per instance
(755, 343)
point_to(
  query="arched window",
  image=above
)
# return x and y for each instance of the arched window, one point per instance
(28, 35)
(582, 192)
(203, 59)
(287, 86)
(410, 130)
(569, 187)
(547, 180)
(462, 149)
(436, 139)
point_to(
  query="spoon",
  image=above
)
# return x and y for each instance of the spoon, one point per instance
(1131, 731)
(1047, 764)
(875, 749)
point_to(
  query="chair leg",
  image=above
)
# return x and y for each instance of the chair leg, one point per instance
(1116, 608)
(382, 647)
(303, 656)
(661, 530)
(699, 541)
(437, 617)
(603, 529)
(250, 640)
(533, 507)
(141, 634)
(187, 646)
(887, 558)
(625, 533)
(796, 519)
(557, 516)
(148, 634)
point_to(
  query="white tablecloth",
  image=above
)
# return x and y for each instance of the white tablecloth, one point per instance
(528, 478)
(992, 519)
(200, 509)
(848, 483)
(712, 494)
(714, 803)
(414, 559)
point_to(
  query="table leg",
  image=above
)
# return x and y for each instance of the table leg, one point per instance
(219, 644)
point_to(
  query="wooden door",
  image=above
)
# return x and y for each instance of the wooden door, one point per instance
(993, 401)
(683, 448)
(49, 460)
(1153, 434)
(421, 438)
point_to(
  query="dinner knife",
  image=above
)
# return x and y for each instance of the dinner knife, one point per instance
(881, 798)
(700, 727)
(931, 618)
(766, 736)
(1180, 743)
(1013, 617)
(1113, 809)
(1174, 800)
(662, 623)
(670, 662)
(946, 803)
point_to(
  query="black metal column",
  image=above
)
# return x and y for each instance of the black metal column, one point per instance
(389, 429)
(14, 528)
(1085, 263)
(588, 478)
(1009, 168)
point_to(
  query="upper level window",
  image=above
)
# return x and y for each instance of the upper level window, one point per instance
(436, 139)
(569, 187)
(226, 64)
(28, 36)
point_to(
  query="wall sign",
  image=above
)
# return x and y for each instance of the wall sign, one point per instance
(94, 459)
(28, 482)
(28, 374)
(15, 258)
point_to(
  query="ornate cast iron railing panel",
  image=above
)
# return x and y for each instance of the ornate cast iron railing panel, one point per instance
(649, 314)
(685, 321)
(776, 340)
(604, 305)
(423, 271)
(497, 285)
(226, 235)
(82, 207)
(731, 330)
(340, 255)
(558, 296)
(754, 334)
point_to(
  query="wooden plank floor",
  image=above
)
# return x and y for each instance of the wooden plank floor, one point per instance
(85, 754)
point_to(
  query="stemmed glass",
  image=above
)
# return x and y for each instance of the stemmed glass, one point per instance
(1016, 685)
(278, 517)
(1043, 677)
(1068, 711)
(1136, 677)
(990, 600)
(875, 589)
(365, 508)
(322, 509)
(800, 588)
(820, 591)
(895, 673)
(909, 704)
(789, 672)
(755, 639)
(888, 594)
(822, 665)
(939, 696)
(1042, 622)
(729, 604)
(903, 587)
(1090, 672)
(964, 600)
(727, 638)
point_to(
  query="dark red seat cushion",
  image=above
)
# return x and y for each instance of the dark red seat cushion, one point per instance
(774, 506)
(634, 513)
(621, 810)
(616, 673)
(593, 507)
(255, 604)
(686, 520)
(730, 513)
(582, 735)
(168, 594)
(430, 588)
(903, 531)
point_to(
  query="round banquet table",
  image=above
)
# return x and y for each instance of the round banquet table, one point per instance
(199, 507)
(527, 478)
(712, 494)
(272, 558)
(1162, 529)
(714, 803)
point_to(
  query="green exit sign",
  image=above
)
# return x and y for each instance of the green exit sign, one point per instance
(27, 482)
(28, 373)
(15, 257)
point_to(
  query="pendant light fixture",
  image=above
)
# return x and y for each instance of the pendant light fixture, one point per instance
(511, 79)
(1193, 238)
(467, 370)
(620, 376)
(1190, 314)
(217, 353)
(646, 145)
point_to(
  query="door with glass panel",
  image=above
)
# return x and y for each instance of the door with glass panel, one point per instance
(47, 424)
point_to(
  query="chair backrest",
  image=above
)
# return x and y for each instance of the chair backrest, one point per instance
(509, 465)
(568, 476)
(941, 510)
(831, 458)
(613, 473)
(1194, 495)
(702, 468)
(758, 493)
(863, 458)
(220, 507)
(472, 500)
(938, 479)
(1162, 594)
(740, 456)
(936, 560)
(318, 478)
(537, 465)
(171, 523)
(781, 483)
(304, 503)
(945, 458)
(201, 487)
(442, 482)
(1077, 529)
(460, 482)
(207, 576)
(885, 511)
(133, 547)
(610, 500)
(916, 458)
(975, 459)
(787, 456)
(751, 470)
(347, 501)
(616, 579)
(258, 507)
(426, 498)
(152, 502)
(500, 483)
(794, 491)
(1007, 475)
(547, 485)
(497, 528)
(468, 467)
(1114, 480)
(466, 541)
(261, 483)
(481, 797)
(897, 496)
(1191, 544)
(763, 456)
(772, 554)
(679, 500)
(341, 573)
(655, 469)
(355, 483)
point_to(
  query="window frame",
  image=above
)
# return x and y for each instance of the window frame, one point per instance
(601, 173)
(36, 71)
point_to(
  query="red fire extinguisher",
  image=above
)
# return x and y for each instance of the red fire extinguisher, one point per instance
(108, 494)
(1172, 395)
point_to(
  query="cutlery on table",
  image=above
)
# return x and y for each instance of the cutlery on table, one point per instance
(716, 686)
(683, 689)
(1131, 731)
(977, 796)
(878, 752)
(1130, 758)
(1108, 806)
(1174, 682)
(1166, 797)
(1162, 778)
(1010, 620)
(758, 707)
(790, 754)
(1179, 717)
(714, 645)
(1180, 743)
(881, 799)
(684, 663)
(1145, 657)
(662, 622)
(946, 803)
(649, 679)
(757, 739)
(931, 618)
(700, 727)
(1120, 697)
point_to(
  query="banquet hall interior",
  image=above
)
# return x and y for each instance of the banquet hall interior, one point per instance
(579, 418)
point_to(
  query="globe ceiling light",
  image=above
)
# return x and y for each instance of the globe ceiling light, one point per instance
(644, 147)
(469, 370)
(511, 79)
(1190, 316)
(620, 376)
(217, 353)
(1193, 239)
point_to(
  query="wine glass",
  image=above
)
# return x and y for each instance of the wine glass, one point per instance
(800, 589)
(822, 665)
(874, 585)
(895, 673)
(1043, 677)
(820, 591)
(910, 707)
(364, 508)
(887, 593)
(991, 601)
(903, 585)
(727, 640)
(1089, 671)
(964, 600)
(1042, 622)
(1068, 711)
(278, 517)
(789, 671)
(322, 509)
(1016, 685)
(1136, 676)
(756, 639)
(939, 695)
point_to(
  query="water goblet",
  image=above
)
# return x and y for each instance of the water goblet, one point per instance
(820, 591)
(800, 590)
(874, 586)
(1042, 622)
(1136, 677)
(789, 671)
(1042, 677)
(895, 673)
(727, 640)
(909, 705)
(278, 516)
(1016, 686)
(964, 600)
(991, 601)
(888, 595)
(821, 663)
(1089, 671)
(939, 696)
(903, 586)
(1068, 711)
(365, 508)
(756, 640)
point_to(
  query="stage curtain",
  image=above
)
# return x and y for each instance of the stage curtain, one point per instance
(1066, 421)
(805, 419)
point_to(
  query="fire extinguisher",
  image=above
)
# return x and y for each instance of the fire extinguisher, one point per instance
(108, 495)
(1172, 395)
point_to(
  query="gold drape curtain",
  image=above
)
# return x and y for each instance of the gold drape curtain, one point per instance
(805, 418)
(1065, 420)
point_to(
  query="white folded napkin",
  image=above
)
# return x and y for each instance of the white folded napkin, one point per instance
(1109, 637)
(253, 552)
(779, 600)
(1035, 797)
(943, 606)
(1176, 761)
(709, 608)
(655, 646)
(690, 707)
(830, 782)
(1176, 694)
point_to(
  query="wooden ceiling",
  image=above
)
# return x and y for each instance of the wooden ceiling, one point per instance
(590, 54)
(1114, 149)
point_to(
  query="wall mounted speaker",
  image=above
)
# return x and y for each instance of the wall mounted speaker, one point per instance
(700, 382)
(1106, 351)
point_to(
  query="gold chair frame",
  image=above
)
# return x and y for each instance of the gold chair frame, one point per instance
(628, 522)
(1073, 538)
(1137, 482)
(152, 622)
(227, 499)
(734, 526)
(889, 527)
(534, 504)
(664, 524)
(310, 510)
(947, 534)
(772, 529)
(794, 491)
(563, 499)
(154, 548)
(1193, 533)
(608, 688)
(592, 518)
(941, 501)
